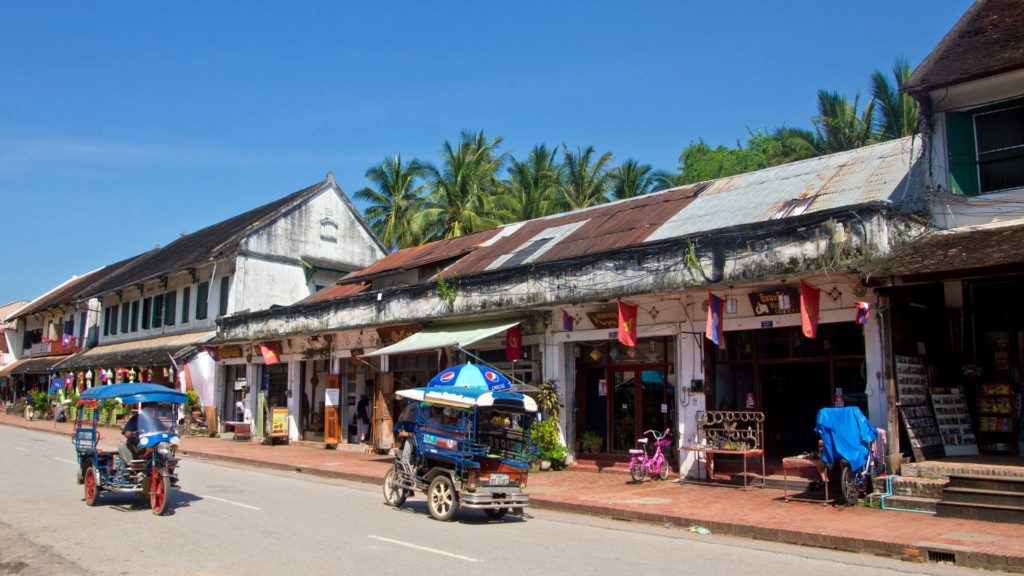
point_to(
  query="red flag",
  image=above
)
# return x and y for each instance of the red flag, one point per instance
(627, 324)
(809, 300)
(716, 319)
(514, 343)
(568, 322)
(271, 353)
(442, 360)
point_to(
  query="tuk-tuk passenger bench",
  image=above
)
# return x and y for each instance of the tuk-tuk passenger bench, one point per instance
(733, 433)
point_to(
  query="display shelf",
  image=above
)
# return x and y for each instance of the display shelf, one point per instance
(998, 412)
(926, 439)
(954, 420)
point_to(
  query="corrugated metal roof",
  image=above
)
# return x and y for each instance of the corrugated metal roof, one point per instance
(336, 291)
(142, 352)
(866, 175)
(417, 256)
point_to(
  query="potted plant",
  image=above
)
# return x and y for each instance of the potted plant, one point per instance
(106, 415)
(545, 434)
(591, 441)
(42, 405)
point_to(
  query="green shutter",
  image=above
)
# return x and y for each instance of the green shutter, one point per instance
(963, 156)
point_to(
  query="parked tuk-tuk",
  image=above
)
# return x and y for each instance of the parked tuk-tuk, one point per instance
(464, 447)
(151, 470)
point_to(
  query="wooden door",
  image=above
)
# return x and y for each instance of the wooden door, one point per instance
(383, 422)
(332, 414)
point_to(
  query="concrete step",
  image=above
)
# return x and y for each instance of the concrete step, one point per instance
(982, 496)
(915, 487)
(985, 482)
(985, 512)
(911, 503)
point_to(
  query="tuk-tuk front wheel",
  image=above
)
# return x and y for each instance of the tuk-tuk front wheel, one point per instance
(393, 495)
(442, 501)
(158, 493)
(92, 491)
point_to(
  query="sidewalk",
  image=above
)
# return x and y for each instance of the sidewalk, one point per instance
(759, 514)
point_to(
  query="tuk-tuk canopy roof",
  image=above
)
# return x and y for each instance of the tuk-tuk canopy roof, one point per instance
(469, 397)
(135, 392)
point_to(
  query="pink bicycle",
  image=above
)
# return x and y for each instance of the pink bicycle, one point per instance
(641, 463)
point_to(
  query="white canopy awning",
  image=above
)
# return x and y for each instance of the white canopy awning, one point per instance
(459, 336)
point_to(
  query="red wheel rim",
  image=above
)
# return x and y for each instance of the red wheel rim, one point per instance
(90, 486)
(156, 494)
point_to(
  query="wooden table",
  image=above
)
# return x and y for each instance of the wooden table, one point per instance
(709, 462)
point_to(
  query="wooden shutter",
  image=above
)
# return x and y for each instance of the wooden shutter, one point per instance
(963, 155)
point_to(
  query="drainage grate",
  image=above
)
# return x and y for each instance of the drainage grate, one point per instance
(941, 557)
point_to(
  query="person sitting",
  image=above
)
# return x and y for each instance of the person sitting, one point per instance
(141, 422)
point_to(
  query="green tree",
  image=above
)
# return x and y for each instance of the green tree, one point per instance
(631, 179)
(585, 180)
(700, 162)
(532, 188)
(394, 200)
(464, 189)
(896, 112)
(839, 126)
(665, 179)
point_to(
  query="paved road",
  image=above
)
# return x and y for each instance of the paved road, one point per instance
(232, 520)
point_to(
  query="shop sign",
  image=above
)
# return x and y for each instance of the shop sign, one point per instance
(782, 300)
(393, 334)
(331, 397)
(230, 352)
(603, 319)
(602, 387)
(840, 402)
(767, 323)
(279, 423)
(750, 401)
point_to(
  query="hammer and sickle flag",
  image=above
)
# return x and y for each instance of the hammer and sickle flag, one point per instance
(627, 324)
(514, 343)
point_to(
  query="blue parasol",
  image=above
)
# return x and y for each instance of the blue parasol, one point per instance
(471, 376)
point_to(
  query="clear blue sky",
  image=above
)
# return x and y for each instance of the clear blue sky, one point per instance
(122, 124)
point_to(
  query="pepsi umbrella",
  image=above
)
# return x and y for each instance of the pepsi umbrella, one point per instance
(471, 376)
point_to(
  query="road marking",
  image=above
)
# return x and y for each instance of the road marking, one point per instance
(22, 449)
(423, 548)
(230, 502)
(63, 460)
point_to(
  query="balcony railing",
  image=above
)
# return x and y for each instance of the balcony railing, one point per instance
(56, 347)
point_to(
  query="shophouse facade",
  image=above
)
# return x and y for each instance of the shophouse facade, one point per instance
(8, 342)
(749, 239)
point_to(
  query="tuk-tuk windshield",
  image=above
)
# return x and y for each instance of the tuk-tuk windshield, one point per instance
(152, 418)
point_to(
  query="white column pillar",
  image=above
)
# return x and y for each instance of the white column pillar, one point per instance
(874, 373)
(689, 367)
(294, 402)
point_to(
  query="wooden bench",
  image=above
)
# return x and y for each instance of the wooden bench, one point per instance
(240, 430)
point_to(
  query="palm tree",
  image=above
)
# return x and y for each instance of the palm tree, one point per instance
(897, 112)
(839, 126)
(586, 178)
(795, 144)
(531, 190)
(464, 190)
(665, 179)
(631, 179)
(396, 199)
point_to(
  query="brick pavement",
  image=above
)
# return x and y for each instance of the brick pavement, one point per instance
(757, 514)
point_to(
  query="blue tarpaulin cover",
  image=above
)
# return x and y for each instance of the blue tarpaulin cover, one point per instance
(847, 434)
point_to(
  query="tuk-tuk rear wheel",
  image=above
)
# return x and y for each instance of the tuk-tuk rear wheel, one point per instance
(441, 499)
(393, 495)
(92, 491)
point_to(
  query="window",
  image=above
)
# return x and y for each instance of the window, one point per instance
(158, 311)
(113, 319)
(124, 317)
(170, 300)
(135, 316)
(186, 299)
(225, 285)
(147, 305)
(106, 321)
(69, 325)
(202, 295)
(986, 148)
(81, 325)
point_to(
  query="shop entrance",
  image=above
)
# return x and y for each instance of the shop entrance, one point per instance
(793, 393)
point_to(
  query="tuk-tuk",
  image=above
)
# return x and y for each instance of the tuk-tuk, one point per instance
(151, 470)
(464, 447)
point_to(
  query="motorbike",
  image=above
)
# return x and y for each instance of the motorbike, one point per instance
(151, 472)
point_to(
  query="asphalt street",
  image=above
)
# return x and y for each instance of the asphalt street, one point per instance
(228, 520)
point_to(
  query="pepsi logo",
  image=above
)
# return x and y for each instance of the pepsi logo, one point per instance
(447, 376)
(491, 376)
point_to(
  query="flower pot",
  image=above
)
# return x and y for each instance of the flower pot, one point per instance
(545, 465)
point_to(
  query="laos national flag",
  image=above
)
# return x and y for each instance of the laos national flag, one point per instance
(716, 315)
(568, 322)
(56, 383)
(863, 312)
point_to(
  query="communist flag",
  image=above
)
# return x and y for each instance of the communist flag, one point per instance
(810, 298)
(271, 353)
(514, 343)
(627, 324)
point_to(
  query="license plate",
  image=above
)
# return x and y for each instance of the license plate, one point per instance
(498, 480)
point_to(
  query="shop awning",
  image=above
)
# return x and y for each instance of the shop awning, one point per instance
(31, 365)
(148, 352)
(458, 336)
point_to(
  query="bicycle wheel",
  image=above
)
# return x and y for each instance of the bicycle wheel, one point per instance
(637, 470)
(664, 469)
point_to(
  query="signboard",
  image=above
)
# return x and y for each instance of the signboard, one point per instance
(279, 423)
(750, 401)
(393, 334)
(240, 383)
(604, 318)
(332, 396)
(230, 352)
(782, 300)
(602, 387)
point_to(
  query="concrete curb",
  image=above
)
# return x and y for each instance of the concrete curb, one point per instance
(907, 551)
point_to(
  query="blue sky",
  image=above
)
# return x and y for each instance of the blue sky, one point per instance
(123, 124)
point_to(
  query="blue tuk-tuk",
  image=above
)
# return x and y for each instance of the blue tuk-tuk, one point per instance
(154, 439)
(463, 447)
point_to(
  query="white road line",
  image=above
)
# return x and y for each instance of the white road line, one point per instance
(423, 548)
(22, 449)
(230, 502)
(63, 460)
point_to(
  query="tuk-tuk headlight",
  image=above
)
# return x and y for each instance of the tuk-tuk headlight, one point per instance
(163, 448)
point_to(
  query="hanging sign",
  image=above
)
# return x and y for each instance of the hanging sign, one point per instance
(782, 300)
(604, 319)
(750, 400)
(602, 387)
(230, 351)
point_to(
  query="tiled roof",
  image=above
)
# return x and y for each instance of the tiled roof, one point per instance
(987, 40)
(960, 249)
(9, 308)
(66, 292)
(336, 291)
